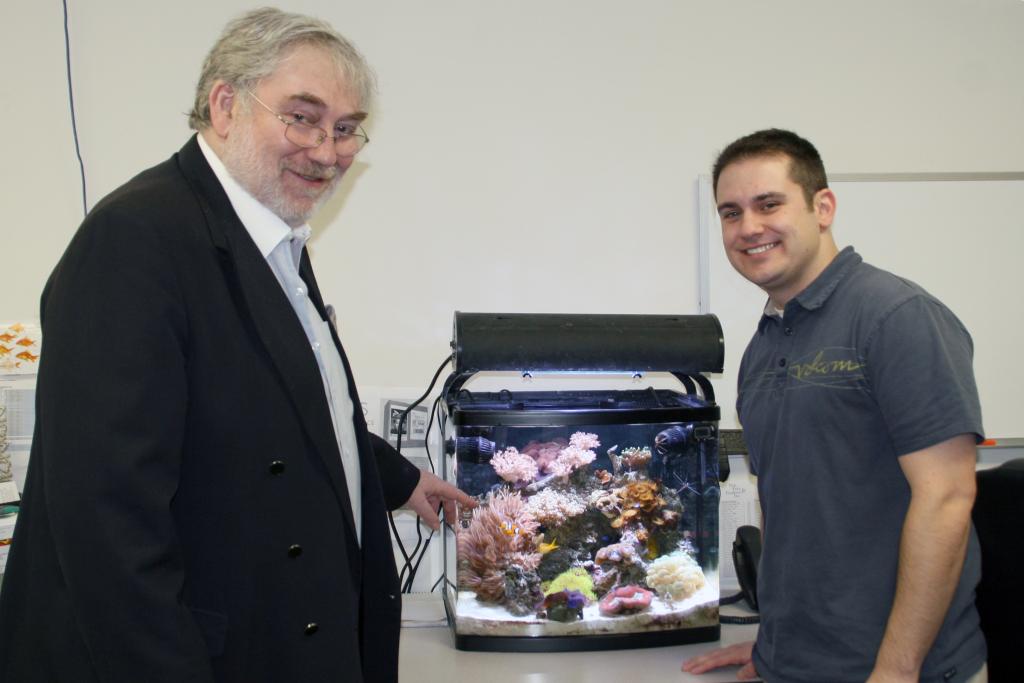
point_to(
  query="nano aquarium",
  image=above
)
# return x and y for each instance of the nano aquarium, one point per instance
(597, 522)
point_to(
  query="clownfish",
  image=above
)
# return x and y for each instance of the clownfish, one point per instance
(510, 529)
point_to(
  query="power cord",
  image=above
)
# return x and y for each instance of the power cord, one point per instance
(412, 560)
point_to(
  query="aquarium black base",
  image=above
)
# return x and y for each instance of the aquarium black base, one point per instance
(618, 641)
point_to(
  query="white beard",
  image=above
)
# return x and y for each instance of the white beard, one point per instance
(261, 176)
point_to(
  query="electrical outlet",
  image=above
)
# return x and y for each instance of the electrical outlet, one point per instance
(414, 428)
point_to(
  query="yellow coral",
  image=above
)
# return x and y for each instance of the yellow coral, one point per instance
(576, 579)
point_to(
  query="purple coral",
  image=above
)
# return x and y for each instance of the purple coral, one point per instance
(544, 452)
(564, 606)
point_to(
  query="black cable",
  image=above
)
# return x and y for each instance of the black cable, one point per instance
(71, 102)
(405, 413)
(726, 619)
(729, 619)
(406, 584)
(408, 564)
(430, 424)
(423, 553)
(730, 599)
(426, 545)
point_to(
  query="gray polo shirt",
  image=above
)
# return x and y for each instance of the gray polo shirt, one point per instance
(862, 368)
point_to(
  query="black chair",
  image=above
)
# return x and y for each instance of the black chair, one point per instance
(999, 520)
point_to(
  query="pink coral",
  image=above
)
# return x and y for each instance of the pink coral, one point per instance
(624, 600)
(618, 553)
(513, 466)
(571, 459)
(584, 440)
(544, 452)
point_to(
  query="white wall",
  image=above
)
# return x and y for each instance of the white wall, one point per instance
(526, 156)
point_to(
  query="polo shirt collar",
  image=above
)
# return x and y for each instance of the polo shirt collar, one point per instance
(817, 293)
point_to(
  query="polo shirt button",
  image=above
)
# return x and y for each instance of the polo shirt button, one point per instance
(789, 331)
(782, 362)
(277, 467)
(311, 628)
(294, 550)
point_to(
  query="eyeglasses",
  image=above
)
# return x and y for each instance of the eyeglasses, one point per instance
(349, 138)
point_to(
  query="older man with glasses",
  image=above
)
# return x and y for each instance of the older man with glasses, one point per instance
(203, 501)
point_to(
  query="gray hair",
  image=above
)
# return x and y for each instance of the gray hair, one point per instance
(253, 45)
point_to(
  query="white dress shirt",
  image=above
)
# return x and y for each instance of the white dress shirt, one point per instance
(282, 247)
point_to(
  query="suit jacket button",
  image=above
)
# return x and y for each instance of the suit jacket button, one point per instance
(277, 467)
(294, 550)
(311, 628)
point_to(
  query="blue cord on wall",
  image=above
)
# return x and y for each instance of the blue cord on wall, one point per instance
(71, 102)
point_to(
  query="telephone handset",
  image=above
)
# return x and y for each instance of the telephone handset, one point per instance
(746, 556)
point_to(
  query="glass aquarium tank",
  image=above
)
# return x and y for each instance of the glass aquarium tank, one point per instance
(597, 517)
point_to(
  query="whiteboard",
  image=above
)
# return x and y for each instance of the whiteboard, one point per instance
(960, 236)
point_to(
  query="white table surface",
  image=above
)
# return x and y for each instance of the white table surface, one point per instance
(428, 655)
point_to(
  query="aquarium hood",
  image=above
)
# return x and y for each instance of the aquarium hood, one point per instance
(682, 345)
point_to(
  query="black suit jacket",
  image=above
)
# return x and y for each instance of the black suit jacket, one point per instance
(185, 515)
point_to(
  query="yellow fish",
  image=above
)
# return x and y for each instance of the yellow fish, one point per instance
(545, 548)
(25, 355)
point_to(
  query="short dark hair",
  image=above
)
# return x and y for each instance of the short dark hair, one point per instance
(805, 166)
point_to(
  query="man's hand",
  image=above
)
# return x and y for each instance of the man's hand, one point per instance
(739, 654)
(432, 491)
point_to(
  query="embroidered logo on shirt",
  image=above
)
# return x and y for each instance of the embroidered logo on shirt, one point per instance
(833, 366)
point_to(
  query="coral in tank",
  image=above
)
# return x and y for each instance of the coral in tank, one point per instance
(576, 579)
(617, 564)
(625, 600)
(552, 507)
(675, 576)
(500, 533)
(545, 452)
(578, 454)
(642, 505)
(513, 466)
(564, 606)
(636, 459)
(606, 502)
(522, 590)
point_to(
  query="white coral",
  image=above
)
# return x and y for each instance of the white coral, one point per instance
(676, 576)
(552, 508)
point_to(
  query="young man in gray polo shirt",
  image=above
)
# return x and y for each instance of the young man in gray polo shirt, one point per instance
(860, 410)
